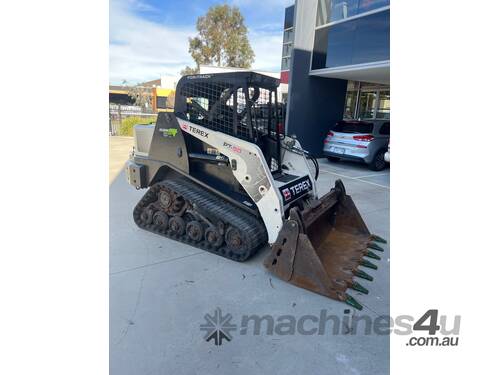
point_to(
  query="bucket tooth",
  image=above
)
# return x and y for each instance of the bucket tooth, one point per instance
(362, 274)
(358, 287)
(374, 246)
(374, 237)
(351, 301)
(371, 254)
(368, 264)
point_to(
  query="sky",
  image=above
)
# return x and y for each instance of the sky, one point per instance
(149, 38)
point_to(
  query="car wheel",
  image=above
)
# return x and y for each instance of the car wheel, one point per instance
(378, 162)
(333, 158)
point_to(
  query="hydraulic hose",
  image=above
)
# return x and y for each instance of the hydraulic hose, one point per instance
(315, 162)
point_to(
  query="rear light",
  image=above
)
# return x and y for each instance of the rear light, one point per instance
(330, 134)
(364, 138)
(281, 128)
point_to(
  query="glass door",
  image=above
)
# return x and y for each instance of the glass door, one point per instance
(367, 101)
(384, 105)
(367, 104)
(350, 105)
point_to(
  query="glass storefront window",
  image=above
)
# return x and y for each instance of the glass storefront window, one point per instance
(285, 63)
(371, 39)
(288, 36)
(337, 10)
(358, 41)
(350, 105)
(289, 12)
(343, 9)
(367, 103)
(287, 49)
(384, 105)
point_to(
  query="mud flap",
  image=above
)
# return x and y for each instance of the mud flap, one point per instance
(322, 247)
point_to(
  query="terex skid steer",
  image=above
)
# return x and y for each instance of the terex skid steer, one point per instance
(223, 177)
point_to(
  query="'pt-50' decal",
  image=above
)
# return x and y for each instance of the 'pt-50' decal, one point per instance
(296, 189)
(232, 147)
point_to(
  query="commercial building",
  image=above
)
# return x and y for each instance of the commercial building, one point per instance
(287, 44)
(119, 95)
(336, 57)
(160, 91)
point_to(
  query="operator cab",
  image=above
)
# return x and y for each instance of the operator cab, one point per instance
(241, 104)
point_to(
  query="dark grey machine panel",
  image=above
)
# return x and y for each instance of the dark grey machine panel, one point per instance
(168, 143)
(136, 175)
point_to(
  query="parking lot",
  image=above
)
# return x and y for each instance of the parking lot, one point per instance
(160, 291)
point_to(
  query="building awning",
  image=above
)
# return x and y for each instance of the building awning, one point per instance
(378, 72)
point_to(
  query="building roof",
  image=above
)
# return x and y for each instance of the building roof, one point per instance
(116, 89)
(153, 83)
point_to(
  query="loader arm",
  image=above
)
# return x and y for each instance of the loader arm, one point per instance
(249, 167)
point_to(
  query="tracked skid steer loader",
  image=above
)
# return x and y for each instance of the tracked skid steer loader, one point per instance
(222, 176)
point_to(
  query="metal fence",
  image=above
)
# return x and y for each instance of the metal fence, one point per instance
(118, 113)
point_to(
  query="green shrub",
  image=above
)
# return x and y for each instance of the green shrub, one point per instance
(126, 128)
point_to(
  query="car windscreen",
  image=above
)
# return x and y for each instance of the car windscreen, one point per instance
(353, 127)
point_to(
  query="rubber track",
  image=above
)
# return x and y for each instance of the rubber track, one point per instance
(252, 228)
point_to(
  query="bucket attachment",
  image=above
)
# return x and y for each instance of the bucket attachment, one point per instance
(322, 247)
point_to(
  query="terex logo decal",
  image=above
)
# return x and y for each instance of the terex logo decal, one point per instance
(296, 189)
(193, 130)
(198, 131)
(301, 186)
(286, 194)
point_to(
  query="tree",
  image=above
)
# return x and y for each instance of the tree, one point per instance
(222, 39)
(188, 71)
(141, 96)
